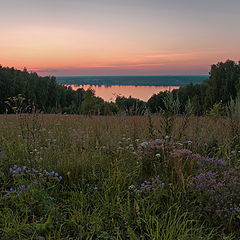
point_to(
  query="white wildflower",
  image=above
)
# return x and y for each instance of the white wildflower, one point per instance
(144, 144)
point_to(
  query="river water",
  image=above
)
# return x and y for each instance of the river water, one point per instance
(109, 93)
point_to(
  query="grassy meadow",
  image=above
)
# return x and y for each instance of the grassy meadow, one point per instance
(119, 177)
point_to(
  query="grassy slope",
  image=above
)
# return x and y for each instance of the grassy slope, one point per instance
(98, 160)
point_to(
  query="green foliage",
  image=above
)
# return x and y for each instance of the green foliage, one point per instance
(130, 106)
(16, 104)
(217, 110)
(21, 91)
(169, 112)
(222, 86)
(234, 108)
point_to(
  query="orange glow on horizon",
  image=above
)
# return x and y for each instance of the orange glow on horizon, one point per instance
(118, 37)
(50, 49)
(155, 62)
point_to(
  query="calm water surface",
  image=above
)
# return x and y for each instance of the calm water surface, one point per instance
(109, 93)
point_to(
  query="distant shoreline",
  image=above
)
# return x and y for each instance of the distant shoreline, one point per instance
(163, 80)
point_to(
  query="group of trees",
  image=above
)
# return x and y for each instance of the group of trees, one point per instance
(222, 86)
(44, 94)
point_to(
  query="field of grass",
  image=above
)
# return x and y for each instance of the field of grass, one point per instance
(119, 177)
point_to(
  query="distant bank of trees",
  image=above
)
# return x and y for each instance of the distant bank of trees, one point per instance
(45, 95)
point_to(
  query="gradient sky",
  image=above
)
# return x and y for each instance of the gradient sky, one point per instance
(118, 37)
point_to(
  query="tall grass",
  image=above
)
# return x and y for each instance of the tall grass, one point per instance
(99, 195)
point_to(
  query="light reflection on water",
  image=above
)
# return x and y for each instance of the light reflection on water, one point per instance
(109, 93)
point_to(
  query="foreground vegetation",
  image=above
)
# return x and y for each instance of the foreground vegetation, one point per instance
(119, 177)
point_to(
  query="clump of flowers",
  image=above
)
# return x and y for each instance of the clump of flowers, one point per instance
(25, 177)
(126, 144)
(217, 193)
(210, 164)
(151, 185)
(24, 171)
(164, 156)
(182, 153)
(211, 183)
(18, 190)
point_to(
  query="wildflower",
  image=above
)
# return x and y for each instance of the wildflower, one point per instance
(233, 209)
(22, 188)
(144, 144)
(12, 190)
(161, 184)
(153, 184)
(132, 187)
(18, 170)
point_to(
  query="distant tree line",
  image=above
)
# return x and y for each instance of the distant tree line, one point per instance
(45, 95)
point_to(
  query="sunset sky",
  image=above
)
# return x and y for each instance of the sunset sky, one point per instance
(118, 37)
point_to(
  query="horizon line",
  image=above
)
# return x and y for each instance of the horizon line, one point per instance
(163, 75)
